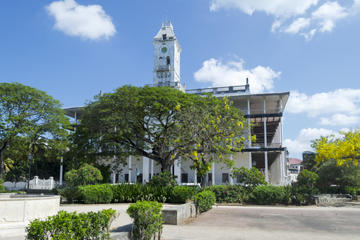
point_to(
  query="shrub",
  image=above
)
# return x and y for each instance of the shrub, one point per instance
(96, 193)
(71, 194)
(133, 193)
(85, 175)
(2, 187)
(204, 200)
(307, 179)
(147, 217)
(182, 194)
(268, 195)
(64, 225)
(164, 179)
(250, 178)
(228, 193)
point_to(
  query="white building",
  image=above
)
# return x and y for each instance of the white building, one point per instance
(265, 111)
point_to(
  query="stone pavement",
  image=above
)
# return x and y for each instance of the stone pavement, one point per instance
(241, 223)
(270, 223)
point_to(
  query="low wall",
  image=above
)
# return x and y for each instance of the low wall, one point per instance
(328, 200)
(178, 214)
(26, 208)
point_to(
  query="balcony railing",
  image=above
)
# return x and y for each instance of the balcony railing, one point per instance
(242, 89)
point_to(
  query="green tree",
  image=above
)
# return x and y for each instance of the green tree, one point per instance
(32, 114)
(136, 121)
(249, 177)
(215, 129)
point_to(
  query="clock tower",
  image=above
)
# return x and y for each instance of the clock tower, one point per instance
(167, 58)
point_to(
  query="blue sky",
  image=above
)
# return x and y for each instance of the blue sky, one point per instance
(73, 49)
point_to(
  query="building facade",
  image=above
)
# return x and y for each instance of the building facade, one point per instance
(263, 111)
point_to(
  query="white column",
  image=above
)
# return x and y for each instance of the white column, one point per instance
(213, 173)
(265, 145)
(282, 169)
(231, 180)
(249, 132)
(146, 169)
(195, 176)
(61, 171)
(129, 167)
(152, 168)
(177, 170)
(113, 177)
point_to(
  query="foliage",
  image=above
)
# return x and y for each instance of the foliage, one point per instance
(85, 175)
(299, 195)
(228, 193)
(165, 179)
(147, 217)
(32, 114)
(2, 187)
(307, 179)
(71, 194)
(345, 150)
(182, 194)
(268, 195)
(309, 162)
(215, 129)
(76, 226)
(137, 192)
(250, 178)
(332, 175)
(204, 200)
(96, 193)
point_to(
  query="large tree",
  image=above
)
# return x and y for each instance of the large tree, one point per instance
(345, 150)
(33, 115)
(156, 122)
(215, 129)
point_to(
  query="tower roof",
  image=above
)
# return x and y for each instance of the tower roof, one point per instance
(167, 30)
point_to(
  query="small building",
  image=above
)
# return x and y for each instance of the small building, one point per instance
(263, 111)
(295, 166)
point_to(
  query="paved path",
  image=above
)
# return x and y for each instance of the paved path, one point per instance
(242, 223)
(278, 223)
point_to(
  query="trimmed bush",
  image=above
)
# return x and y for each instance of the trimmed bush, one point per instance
(71, 194)
(266, 195)
(204, 200)
(228, 193)
(64, 225)
(147, 217)
(85, 175)
(249, 178)
(2, 187)
(182, 194)
(164, 179)
(95, 193)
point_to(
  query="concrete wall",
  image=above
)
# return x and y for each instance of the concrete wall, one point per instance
(23, 209)
(275, 171)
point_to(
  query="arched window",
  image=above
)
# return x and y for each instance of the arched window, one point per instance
(168, 60)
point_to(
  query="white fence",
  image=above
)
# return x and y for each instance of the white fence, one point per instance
(36, 183)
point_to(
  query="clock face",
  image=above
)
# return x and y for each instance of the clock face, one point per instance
(164, 49)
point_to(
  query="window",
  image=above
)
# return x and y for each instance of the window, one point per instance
(164, 36)
(225, 178)
(210, 178)
(168, 60)
(127, 178)
(184, 178)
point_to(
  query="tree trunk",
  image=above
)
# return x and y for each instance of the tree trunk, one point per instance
(2, 150)
(203, 181)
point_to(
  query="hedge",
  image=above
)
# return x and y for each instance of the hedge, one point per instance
(228, 193)
(95, 193)
(75, 226)
(268, 194)
(204, 200)
(147, 220)
(128, 193)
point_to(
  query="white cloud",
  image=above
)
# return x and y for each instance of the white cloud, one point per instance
(297, 25)
(303, 141)
(306, 17)
(233, 73)
(340, 120)
(337, 108)
(278, 8)
(88, 22)
(327, 15)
